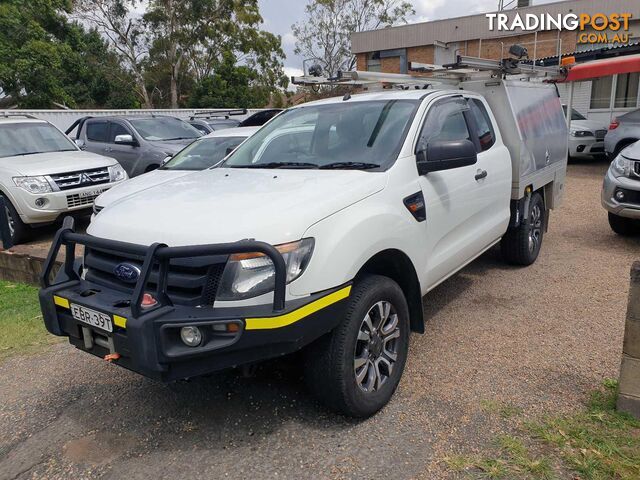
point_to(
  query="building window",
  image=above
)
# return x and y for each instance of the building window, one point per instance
(373, 62)
(627, 90)
(601, 92)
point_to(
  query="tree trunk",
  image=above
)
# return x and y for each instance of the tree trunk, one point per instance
(174, 91)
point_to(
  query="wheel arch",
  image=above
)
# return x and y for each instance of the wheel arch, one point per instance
(625, 142)
(396, 265)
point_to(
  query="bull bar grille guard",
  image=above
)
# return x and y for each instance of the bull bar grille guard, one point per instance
(156, 253)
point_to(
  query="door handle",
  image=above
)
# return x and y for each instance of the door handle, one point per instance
(481, 174)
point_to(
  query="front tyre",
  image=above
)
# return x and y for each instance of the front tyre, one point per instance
(521, 245)
(355, 369)
(19, 231)
(624, 226)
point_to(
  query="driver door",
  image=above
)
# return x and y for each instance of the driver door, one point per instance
(451, 196)
(127, 155)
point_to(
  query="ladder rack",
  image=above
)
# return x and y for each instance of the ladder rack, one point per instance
(464, 68)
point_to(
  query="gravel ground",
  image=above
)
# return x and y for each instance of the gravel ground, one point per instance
(538, 338)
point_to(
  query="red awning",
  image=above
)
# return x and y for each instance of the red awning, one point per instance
(603, 68)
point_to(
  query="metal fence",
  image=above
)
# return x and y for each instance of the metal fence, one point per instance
(63, 119)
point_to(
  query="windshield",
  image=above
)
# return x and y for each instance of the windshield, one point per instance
(164, 128)
(203, 153)
(575, 115)
(365, 134)
(29, 138)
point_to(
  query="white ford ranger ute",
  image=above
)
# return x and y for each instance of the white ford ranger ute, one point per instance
(321, 232)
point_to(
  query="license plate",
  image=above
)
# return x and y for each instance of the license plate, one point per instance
(91, 193)
(91, 317)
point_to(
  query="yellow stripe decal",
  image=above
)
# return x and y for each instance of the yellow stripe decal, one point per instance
(292, 317)
(120, 321)
(61, 302)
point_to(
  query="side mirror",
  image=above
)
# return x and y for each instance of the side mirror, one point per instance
(445, 155)
(125, 140)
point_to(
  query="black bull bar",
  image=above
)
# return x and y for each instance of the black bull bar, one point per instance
(156, 253)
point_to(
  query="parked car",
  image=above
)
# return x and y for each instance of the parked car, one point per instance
(586, 137)
(44, 175)
(321, 231)
(621, 191)
(208, 122)
(139, 143)
(260, 118)
(203, 153)
(623, 131)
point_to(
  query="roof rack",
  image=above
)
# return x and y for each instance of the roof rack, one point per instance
(11, 115)
(464, 68)
(218, 113)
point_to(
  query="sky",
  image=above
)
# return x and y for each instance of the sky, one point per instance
(279, 15)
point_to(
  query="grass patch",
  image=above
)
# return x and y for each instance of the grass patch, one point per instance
(596, 444)
(21, 326)
(514, 460)
(599, 443)
(505, 410)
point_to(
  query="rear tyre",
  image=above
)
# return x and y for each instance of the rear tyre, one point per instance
(356, 368)
(521, 246)
(624, 226)
(20, 231)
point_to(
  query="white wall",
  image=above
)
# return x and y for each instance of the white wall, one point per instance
(63, 119)
(582, 102)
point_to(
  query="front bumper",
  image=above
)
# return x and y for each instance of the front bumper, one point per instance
(630, 208)
(585, 146)
(148, 341)
(57, 203)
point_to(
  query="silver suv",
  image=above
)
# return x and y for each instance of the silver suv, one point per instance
(44, 175)
(139, 143)
(621, 191)
(623, 131)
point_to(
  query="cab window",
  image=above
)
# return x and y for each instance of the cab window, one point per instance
(445, 122)
(484, 128)
(97, 131)
(115, 130)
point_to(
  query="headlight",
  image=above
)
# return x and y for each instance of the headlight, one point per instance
(581, 133)
(248, 275)
(621, 166)
(117, 173)
(33, 184)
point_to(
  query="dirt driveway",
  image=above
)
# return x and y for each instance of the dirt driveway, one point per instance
(537, 338)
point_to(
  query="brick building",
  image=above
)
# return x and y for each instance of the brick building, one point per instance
(438, 42)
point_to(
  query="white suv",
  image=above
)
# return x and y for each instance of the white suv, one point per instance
(43, 174)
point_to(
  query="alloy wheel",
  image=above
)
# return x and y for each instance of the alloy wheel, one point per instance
(376, 350)
(536, 228)
(10, 221)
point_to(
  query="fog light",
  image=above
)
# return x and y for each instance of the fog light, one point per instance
(191, 336)
(40, 202)
(620, 196)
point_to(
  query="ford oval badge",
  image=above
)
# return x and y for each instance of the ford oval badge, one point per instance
(126, 272)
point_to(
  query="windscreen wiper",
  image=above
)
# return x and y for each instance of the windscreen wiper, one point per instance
(277, 165)
(349, 166)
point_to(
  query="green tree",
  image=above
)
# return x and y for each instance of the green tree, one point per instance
(45, 60)
(325, 34)
(126, 33)
(230, 86)
(196, 37)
